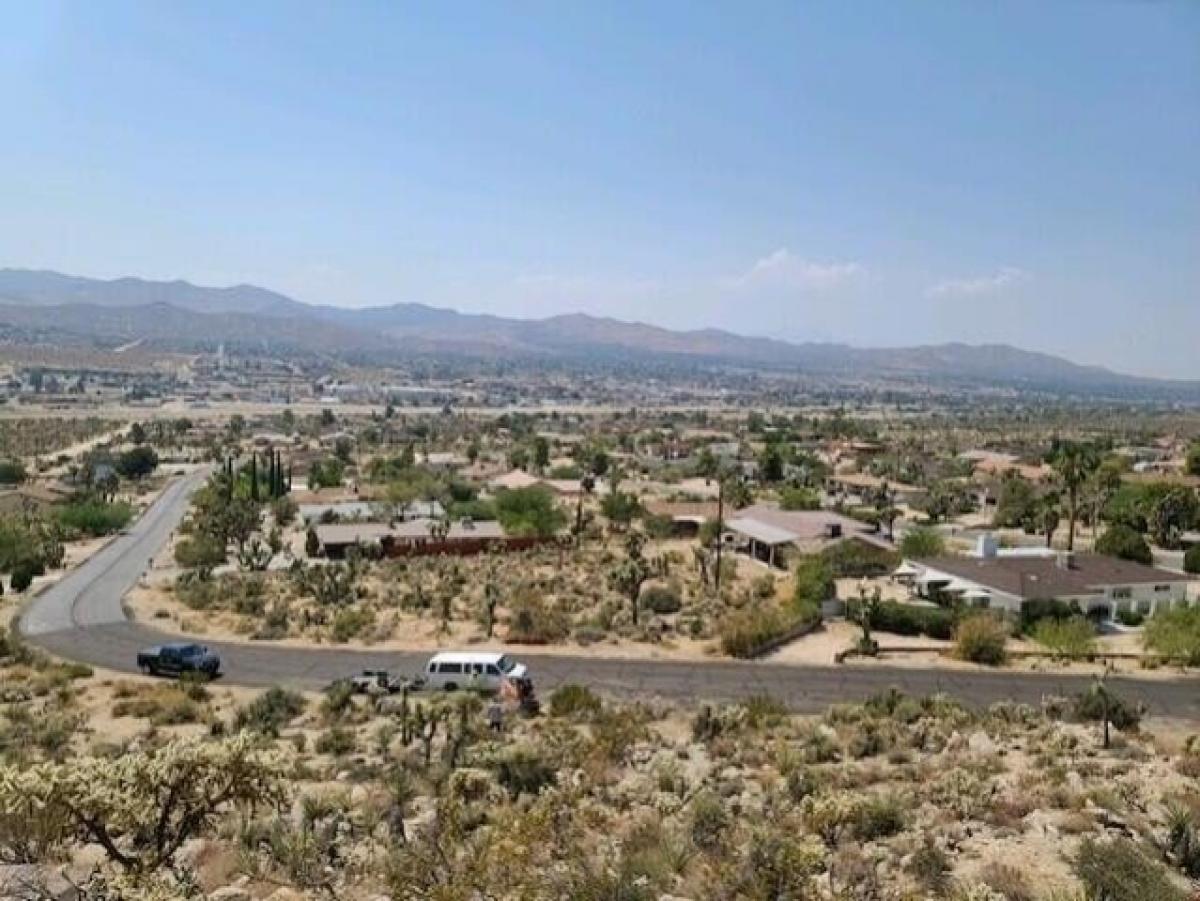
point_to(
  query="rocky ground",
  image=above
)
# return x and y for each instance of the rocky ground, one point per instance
(279, 795)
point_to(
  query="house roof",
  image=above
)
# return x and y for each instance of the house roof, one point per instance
(682, 510)
(344, 509)
(514, 479)
(336, 533)
(1042, 577)
(370, 532)
(769, 524)
(760, 531)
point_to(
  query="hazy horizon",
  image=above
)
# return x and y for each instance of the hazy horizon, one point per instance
(908, 174)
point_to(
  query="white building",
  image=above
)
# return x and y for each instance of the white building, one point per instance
(1093, 581)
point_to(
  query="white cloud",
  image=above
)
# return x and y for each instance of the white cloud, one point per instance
(979, 285)
(782, 268)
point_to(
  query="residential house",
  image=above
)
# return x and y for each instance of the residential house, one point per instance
(1100, 585)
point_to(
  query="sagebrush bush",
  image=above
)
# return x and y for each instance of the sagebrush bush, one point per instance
(270, 711)
(1072, 637)
(1118, 870)
(981, 638)
(661, 599)
(574, 701)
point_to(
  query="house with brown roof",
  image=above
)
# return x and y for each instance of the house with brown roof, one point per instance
(771, 534)
(1097, 583)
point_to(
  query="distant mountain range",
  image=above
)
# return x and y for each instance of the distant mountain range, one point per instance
(48, 307)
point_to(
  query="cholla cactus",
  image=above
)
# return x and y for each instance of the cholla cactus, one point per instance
(828, 815)
(142, 807)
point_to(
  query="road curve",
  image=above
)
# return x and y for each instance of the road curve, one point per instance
(81, 618)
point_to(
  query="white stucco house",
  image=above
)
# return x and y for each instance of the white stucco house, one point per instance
(1098, 584)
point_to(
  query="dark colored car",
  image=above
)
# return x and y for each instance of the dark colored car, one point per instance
(177, 659)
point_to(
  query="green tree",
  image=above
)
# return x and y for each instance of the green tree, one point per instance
(200, 553)
(797, 498)
(529, 511)
(770, 464)
(1074, 462)
(137, 462)
(1124, 543)
(541, 453)
(1171, 515)
(1016, 505)
(922, 542)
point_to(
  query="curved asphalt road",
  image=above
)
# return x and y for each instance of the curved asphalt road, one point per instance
(81, 618)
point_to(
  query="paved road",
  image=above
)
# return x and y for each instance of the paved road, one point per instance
(81, 619)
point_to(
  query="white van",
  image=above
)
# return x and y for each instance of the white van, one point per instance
(475, 670)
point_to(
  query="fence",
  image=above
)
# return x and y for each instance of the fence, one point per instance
(459, 547)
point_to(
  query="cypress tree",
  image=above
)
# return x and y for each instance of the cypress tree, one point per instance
(254, 477)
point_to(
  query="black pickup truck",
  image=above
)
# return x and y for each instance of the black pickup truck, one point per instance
(179, 658)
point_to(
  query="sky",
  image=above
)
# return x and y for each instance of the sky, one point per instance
(879, 173)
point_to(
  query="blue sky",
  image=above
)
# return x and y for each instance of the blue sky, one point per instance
(878, 173)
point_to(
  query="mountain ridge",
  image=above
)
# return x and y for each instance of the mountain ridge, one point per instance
(181, 314)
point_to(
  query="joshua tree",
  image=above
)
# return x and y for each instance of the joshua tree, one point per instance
(631, 572)
(491, 596)
(587, 485)
(868, 606)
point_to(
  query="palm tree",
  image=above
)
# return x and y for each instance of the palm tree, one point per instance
(1074, 462)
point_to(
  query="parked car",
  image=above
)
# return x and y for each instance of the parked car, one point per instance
(179, 658)
(476, 670)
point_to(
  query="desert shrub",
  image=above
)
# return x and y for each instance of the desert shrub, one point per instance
(912, 619)
(930, 867)
(1090, 706)
(799, 499)
(743, 633)
(1074, 637)
(763, 710)
(854, 560)
(1011, 882)
(575, 701)
(93, 517)
(878, 817)
(1130, 617)
(1035, 610)
(615, 732)
(1191, 560)
(337, 741)
(270, 711)
(1175, 633)
(22, 576)
(661, 599)
(922, 541)
(170, 707)
(1183, 838)
(814, 579)
(1117, 870)
(350, 622)
(1125, 543)
(658, 526)
(981, 638)
(709, 821)
(12, 472)
(532, 621)
(523, 771)
(338, 701)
